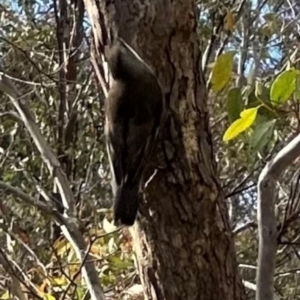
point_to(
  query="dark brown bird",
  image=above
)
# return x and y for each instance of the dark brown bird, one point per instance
(133, 112)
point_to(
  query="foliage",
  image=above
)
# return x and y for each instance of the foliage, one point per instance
(40, 256)
(256, 111)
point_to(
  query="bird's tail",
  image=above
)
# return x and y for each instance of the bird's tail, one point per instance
(126, 204)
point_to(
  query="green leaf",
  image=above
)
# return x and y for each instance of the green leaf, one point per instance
(221, 72)
(283, 86)
(234, 104)
(80, 291)
(119, 263)
(262, 134)
(247, 118)
(297, 89)
(59, 281)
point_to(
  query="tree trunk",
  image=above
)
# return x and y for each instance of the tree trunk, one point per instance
(183, 238)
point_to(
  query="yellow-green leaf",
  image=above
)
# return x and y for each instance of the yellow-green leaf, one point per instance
(246, 119)
(249, 114)
(297, 89)
(5, 296)
(221, 72)
(48, 297)
(59, 281)
(62, 246)
(283, 86)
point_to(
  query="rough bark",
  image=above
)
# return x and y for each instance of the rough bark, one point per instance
(183, 238)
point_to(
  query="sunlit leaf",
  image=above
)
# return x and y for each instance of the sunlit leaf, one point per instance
(5, 296)
(297, 89)
(48, 297)
(221, 72)
(283, 86)
(61, 246)
(59, 281)
(246, 119)
(80, 291)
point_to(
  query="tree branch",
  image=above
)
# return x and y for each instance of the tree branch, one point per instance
(68, 222)
(266, 218)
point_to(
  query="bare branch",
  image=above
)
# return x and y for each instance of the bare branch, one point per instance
(11, 114)
(249, 285)
(46, 152)
(68, 223)
(16, 279)
(267, 227)
(244, 227)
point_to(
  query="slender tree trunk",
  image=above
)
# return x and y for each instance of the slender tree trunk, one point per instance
(183, 238)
